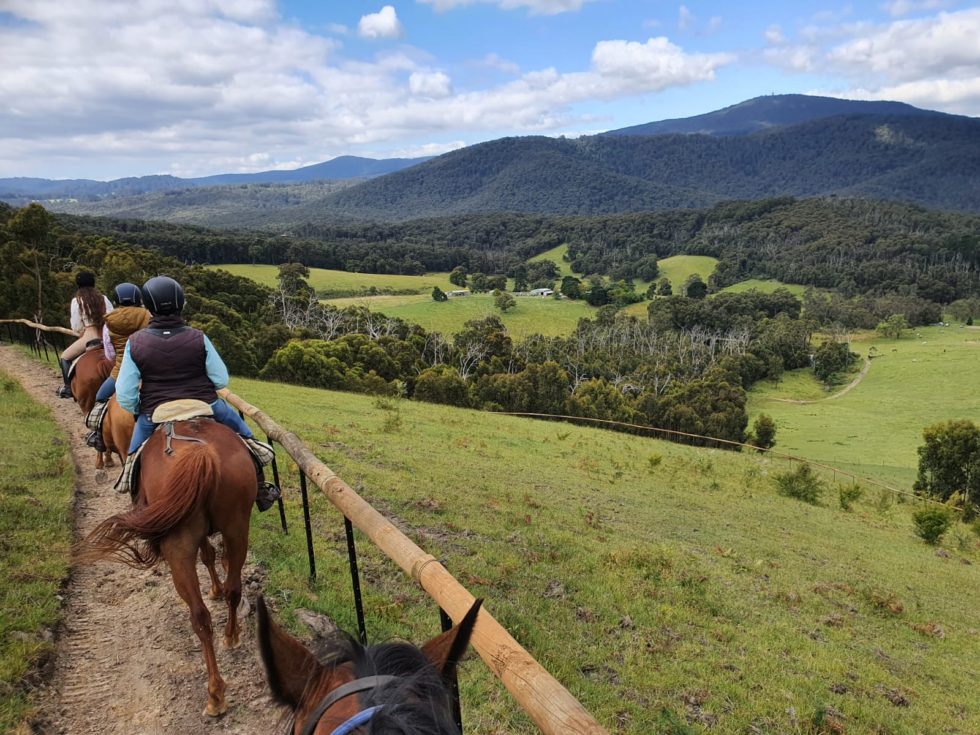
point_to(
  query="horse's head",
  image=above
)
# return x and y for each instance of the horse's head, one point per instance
(398, 687)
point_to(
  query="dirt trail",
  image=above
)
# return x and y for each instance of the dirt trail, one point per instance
(127, 660)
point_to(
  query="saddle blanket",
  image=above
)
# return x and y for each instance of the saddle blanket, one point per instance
(93, 420)
(262, 454)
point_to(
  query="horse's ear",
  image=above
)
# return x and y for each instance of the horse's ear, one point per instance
(289, 666)
(445, 650)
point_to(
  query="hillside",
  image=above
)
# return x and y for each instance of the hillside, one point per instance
(660, 583)
(770, 112)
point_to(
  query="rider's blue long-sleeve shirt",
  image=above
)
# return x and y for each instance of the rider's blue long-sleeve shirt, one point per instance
(128, 382)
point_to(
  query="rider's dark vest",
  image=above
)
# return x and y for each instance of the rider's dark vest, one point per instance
(172, 365)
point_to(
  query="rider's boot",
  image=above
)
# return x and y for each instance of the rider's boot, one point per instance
(268, 493)
(65, 390)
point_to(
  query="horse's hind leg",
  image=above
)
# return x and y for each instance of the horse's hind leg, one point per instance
(208, 557)
(180, 551)
(236, 547)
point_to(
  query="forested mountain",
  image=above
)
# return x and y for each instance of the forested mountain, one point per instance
(22, 189)
(933, 160)
(856, 246)
(770, 112)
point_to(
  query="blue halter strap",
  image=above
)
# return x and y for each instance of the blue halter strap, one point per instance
(356, 721)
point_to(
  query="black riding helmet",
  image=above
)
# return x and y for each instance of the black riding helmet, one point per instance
(128, 294)
(163, 296)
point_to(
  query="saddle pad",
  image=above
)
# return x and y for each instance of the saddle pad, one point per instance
(93, 420)
(129, 471)
(181, 410)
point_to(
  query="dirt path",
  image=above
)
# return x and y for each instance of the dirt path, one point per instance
(127, 660)
(843, 392)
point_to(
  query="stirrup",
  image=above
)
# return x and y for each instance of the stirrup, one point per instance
(267, 495)
(64, 392)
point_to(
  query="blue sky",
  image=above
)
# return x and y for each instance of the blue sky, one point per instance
(110, 88)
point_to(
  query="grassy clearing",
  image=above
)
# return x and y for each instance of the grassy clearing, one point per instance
(556, 256)
(765, 286)
(679, 268)
(660, 583)
(35, 532)
(929, 376)
(531, 315)
(326, 281)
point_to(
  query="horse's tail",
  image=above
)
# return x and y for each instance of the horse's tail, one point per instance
(134, 537)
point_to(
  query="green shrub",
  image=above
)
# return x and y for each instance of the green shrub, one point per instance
(801, 484)
(849, 494)
(931, 522)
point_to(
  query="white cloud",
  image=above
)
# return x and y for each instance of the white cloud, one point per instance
(932, 61)
(714, 23)
(428, 149)
(142, 87)
(774, 35)
(534, 7)
(685, 18)
(495, 61)
(434, 84)
(383, 24)
(338, 28)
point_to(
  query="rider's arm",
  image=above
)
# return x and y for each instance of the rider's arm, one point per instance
(107, 348)
(128, 384)
(76, 317)
(217, 372)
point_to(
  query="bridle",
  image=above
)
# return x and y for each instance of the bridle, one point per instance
(345, 690)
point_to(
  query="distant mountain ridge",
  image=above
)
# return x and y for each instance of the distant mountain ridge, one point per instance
(909, 155)
(771, 112)
(342, 167)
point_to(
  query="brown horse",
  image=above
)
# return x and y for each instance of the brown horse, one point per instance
(400, 688)
(91, 370)
(117, 431)
(206, 485)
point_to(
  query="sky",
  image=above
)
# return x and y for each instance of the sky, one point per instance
(104, 89)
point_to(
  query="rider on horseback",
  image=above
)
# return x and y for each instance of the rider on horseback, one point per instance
(88, 309)
(170, 361)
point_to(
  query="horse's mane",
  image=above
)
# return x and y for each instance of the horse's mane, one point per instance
(417, 704)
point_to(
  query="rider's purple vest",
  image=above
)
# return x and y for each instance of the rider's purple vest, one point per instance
(172, 365)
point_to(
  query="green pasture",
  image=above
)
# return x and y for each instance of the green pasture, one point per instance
(531, 315)
(765, 286)
(678, 268)
(557, 256)
(932, 374)
(668, 587)
(326, 281)
(35, 532)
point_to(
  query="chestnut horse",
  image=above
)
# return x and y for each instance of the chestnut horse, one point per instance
(399, 688)
(91, 370)
(195, 483)
(117, 430)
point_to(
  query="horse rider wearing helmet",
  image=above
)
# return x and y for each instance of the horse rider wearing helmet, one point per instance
(170, 361)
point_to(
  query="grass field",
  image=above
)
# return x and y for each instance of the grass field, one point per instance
(668, 587)
(556, 256)
(928, 376)
(677, 269)
(531, 315)
(326, 281)
(35, 531)
(767, 286)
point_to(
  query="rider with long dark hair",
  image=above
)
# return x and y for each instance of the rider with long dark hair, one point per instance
(88, 310)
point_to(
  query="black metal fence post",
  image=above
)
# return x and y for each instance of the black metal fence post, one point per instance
(306, 521)
(447, 623)
(355, 580)
(275, 479)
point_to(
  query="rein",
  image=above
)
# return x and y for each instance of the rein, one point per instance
(351, 687)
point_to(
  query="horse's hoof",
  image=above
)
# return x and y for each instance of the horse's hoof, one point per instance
(216, 710)
(232, 641)
(216, 593)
